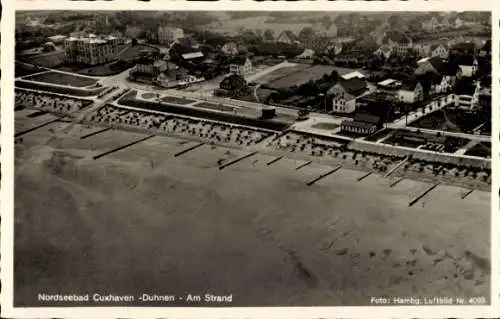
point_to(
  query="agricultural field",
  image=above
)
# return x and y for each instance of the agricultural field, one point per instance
(60, 78)
(301, 76)
(281, 73)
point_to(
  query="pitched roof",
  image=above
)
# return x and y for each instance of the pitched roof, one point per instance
(290, 35)
(437, 63)
(353, 86)
(366, 118)
(357, 124)
(192, 55)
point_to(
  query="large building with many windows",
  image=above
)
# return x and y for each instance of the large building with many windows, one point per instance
(91, 50)
(167, 35)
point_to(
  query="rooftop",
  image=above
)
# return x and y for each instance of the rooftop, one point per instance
(192, 55)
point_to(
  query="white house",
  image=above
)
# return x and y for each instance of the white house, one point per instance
(411, 92)
(230, 48)
(345, 93)
(240, 66)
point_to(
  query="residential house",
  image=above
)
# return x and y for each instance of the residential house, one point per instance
(362, 124)
(230, 48)
(287, 37)
(433, 64)
(468, 65)
(432, 84)
(232, 85)
(240, 66)
(422, 49)
(384, 51)
(399, 42)
(345, 93)
(411, 92)
(150, 66)
(439, 50)
(466, 95)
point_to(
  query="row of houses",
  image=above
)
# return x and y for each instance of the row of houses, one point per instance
(432, 77)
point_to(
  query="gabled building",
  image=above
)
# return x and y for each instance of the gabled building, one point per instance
(384, 51)
(240, 66)
(399, 42)
(287, 37)
(411, 92)
(439, 50)
(422, 49)
(344, 94)
(432, 84)
(433, 64)
(230, 48)
(468, 65)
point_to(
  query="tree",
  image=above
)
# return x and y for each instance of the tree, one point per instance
(134, 42)
(306, 34)
(269, 35)
(326, 21)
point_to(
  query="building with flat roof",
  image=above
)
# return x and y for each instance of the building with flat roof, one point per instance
(91, 50)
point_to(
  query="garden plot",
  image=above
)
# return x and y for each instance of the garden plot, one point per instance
(62, 79)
